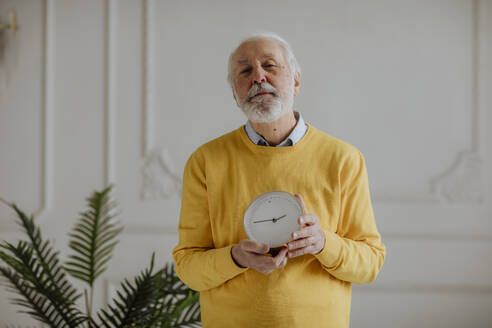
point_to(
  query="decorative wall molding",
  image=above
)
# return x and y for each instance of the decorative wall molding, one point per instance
(150, 230)
(462, 180)
(467, 174)
(443, 237)
(147, 76)
(109, 79)
(425, 288)
(160, 180)
(47, 109)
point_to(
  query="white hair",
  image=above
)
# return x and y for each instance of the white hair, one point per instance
(289, 54)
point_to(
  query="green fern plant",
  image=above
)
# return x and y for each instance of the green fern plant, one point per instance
(34, 273)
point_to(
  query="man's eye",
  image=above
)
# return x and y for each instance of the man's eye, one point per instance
(247, 70)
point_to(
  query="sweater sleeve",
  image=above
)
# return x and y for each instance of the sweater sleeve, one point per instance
(355, 252)
(199, 264)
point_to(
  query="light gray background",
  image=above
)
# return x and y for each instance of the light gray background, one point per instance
(98, 92)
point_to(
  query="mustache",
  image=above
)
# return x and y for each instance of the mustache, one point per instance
(259, 88)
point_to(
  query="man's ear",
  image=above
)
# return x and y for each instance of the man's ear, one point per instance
(297, 83)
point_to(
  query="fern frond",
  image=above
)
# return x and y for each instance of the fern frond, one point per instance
(187, 312)
(38, 305)
(152, 300)
(155, 300)
(93, 238)
(32, 300)
(46, 301)
(180, 311)
(170, 284)
(47, 258)
(177, 305)
(135, 304)
(37, 263)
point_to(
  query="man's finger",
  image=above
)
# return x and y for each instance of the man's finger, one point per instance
(308, 219)
(301, 201)
(301, 251)
(300, 243)
(281, 255)
(303, 233)
(255, 247)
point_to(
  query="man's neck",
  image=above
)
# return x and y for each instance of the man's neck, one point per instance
(278, 130)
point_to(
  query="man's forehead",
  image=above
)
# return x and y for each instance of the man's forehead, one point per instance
(261, 49)
(245, 60)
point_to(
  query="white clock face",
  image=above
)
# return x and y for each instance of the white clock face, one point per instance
(272, 218)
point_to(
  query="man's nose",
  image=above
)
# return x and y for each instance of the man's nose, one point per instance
(259, 75)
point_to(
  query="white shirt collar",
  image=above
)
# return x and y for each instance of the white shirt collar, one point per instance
(294, 137)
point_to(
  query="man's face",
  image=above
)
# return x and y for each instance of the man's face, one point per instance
(264, 87)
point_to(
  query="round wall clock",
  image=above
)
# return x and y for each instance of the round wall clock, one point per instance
(271, 218)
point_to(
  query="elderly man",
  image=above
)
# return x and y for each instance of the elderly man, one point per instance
(307, 283)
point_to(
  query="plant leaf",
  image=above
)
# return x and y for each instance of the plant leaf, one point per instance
(47, 302)
(36, 275)
(153, 300)
(93, 238)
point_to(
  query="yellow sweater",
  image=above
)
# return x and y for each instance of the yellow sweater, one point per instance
(220, 180)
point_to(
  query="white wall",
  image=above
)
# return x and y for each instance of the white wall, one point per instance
(97, 92)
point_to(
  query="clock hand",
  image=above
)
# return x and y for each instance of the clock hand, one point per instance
(262, 221)
(280, 217)
(274, 220)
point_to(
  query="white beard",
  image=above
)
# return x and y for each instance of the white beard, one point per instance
(267, 108)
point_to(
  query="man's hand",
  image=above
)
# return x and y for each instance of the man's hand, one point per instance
(310, 239)
(251, 254)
